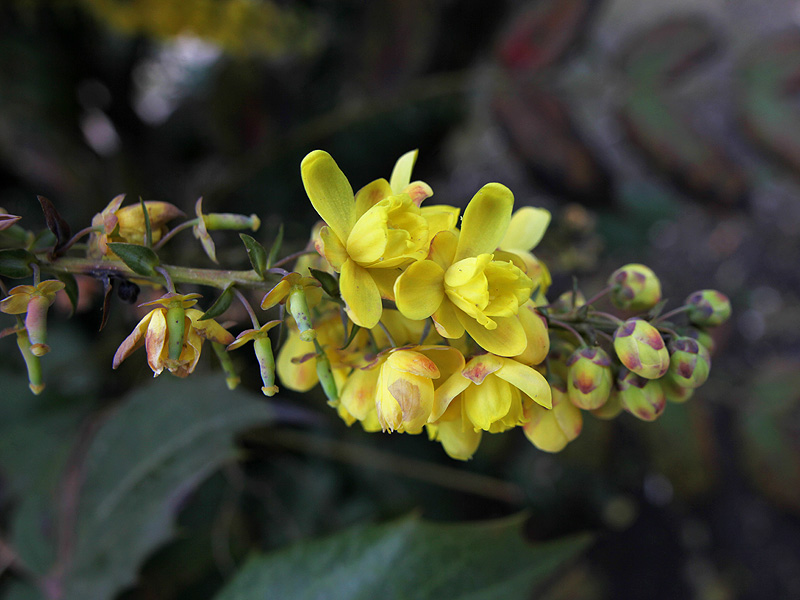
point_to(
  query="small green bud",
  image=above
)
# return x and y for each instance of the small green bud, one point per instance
(673, 391)
(611, 408)
(708, 307)
(589, 379)
(643, 398)
(634, 287)
(298, 308)
(641, 348)
(550, 430)
(568, 301)
(702, 337)
(266, 362)
(229, 221)
(689, 362)
(35, 382)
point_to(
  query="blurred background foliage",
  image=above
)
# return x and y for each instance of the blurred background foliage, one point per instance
(662, 133)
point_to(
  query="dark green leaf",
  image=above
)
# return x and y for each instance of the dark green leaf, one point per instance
(55, 222)
(71, 289)
(139, 259)
(256, 253)
(108, 287)
(221, 305)
(15, 263)
(329, 283)
(164, 440)
(355, 329)
(276, 247)
(408, 559)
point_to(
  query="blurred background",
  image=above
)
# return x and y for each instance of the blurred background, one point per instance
(666, 133)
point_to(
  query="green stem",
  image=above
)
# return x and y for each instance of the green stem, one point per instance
(217, 278)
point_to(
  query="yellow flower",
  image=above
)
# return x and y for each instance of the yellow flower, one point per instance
(115, 224)
(463, 287)
(491, 389)
(34, 302)
(525, 231)
(551, 430)
(372, 235)
(173, 335)
(291, 291)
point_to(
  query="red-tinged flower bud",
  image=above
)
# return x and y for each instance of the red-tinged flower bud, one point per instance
(611, 408)
(589, 379)
(641, 348)
(552, 429)
(643, 398)
(689, 362)
(708, 308)
(673, 391)
(634, 287)
(702, 337)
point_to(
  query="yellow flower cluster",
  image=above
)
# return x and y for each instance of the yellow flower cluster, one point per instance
(449, 338)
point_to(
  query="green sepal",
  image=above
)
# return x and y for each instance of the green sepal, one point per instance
(276, 247)
(139, 259)
(329, 283)
(148, 229)
(71, 289)
(351, 337)
(220, 305)
(15, 263)
(256, 253)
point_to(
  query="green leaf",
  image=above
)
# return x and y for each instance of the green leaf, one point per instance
(329, 283)
(409, 558)
(276, 247)
(139, 259)
(148, 230)
(71, 289)
(15, 263)
(220, 305)
(146, 457)
(256, 253)
(353, 331)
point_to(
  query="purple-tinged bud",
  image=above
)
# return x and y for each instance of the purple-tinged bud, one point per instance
(589, 379)
(552, 429)
(708, 308)
(641, 348)
(674, 392)
(567, 302)
(634, 287)
(643, 398)
(702, 337)
(611, 408)
(689, 362)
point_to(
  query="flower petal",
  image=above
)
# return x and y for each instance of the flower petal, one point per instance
(444, 394)
(370, 195)
(133, 342)
(440, 218)
(401, 173)
(507, 339)
(331, 248)
(156, 341)
(480, 366)
(458, 441)
(358, 392)
(485, 221)
(528, 380)
(419, 291)
(329, 191)
(487, 403)
(443, 248)
(526, 229)
(446, 320)
(409, 361)
(361, 294)
(418, 191)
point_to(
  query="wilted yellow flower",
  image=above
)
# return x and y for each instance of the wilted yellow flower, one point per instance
(462, 287)
(33, 300)
(173, 335)
(115, 224)
(371, 235)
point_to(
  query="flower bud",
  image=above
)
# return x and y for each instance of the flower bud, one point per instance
(689, 362)
(567, 302)
(589, 379)
(266, 363)
(611, 408)
(641, 348)
(229, 221)
(701, 336)
(634, 287)
(550, 430)
(675, 392)
(560, 351)
(708, 307)
(643, 398)
(32, 362)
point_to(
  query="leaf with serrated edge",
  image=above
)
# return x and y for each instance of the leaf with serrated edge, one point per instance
(412, 559)
(141, 464)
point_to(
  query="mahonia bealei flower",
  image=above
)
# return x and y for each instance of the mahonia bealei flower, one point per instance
(462, 287)
(115, 224)
(33, 301)
(525, 230)
(291, 291)
(551, 430)
(263, 350)
(173, 335)
(372, 235)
